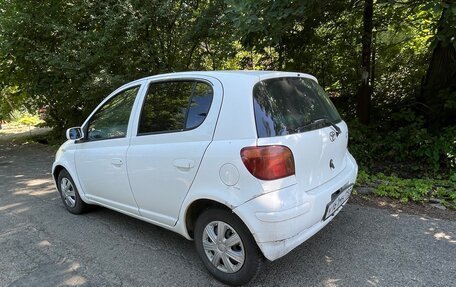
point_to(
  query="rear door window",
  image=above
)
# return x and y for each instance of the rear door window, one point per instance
(291, 105)
(174, 106)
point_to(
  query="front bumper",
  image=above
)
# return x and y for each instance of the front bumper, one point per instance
(282, 220)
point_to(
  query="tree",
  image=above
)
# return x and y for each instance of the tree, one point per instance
(68, 55)
(365, 88)
(438, 91)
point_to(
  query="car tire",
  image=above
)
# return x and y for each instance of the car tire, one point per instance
(236, 256)
(70, 194)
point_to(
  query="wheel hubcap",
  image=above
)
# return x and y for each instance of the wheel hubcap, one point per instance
(223, 247)
(68, 192)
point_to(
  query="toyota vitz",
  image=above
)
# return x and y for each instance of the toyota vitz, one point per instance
(248, 164)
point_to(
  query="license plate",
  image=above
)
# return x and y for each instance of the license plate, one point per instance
(339, 197)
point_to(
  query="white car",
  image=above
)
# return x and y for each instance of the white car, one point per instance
(248, 164)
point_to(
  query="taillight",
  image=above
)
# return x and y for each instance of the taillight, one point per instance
(268, 162)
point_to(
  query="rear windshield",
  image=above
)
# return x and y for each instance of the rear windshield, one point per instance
(291, 105)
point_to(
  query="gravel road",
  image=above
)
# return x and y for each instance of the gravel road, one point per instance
(41, 244)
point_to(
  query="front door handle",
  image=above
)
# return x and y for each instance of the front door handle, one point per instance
(116, 162)
(184, 163)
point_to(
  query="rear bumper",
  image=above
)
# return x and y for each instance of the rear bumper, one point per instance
(282, 220)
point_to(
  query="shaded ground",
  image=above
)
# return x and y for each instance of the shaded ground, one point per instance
(44, 245)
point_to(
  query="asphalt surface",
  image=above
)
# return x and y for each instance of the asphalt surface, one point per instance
(41, 244)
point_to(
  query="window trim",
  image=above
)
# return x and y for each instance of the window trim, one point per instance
(101, 105)
(194, 81)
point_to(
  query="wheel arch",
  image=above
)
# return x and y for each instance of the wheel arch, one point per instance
(195, 209)
(58, 167)
(56, 171)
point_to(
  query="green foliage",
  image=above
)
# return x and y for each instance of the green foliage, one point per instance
(447, 22)
(18, 117)
(69, 55)
(403, 36)
(416, 190)
(11, 98)
(312, 36)
(363, 177)
(30, 120)
(404, 145)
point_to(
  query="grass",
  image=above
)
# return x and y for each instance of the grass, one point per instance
(420, 190)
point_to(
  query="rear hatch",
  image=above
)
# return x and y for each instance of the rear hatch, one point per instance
(296, 112)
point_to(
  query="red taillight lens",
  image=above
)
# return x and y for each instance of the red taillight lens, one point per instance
(268, 162)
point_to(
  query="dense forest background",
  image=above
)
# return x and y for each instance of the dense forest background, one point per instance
(388, 65)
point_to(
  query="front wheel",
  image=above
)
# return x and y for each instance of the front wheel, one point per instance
(227, 247)
(69, 194)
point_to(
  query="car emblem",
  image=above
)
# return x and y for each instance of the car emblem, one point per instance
(331, 164)
(332, 136)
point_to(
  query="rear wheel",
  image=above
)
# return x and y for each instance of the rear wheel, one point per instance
(227, 247)
(69, 194)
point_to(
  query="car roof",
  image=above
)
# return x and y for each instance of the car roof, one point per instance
(259, 75)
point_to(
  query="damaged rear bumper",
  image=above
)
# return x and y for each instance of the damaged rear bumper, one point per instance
(282, 220)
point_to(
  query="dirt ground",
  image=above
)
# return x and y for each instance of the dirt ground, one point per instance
(8, 132)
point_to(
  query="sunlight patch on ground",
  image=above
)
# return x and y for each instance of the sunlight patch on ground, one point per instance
(75, 280)
(444, 236)
(73, 267)
(38, 187)
(44, 243)
(20, 210)
(331, 282)
(14, 129)
(328, 259)
(35, 192)
(5, 207)
(16, 132)
(35, 182)
(373, 281)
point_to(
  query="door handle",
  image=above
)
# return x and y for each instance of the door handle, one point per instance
(116, 161)
(184, 163)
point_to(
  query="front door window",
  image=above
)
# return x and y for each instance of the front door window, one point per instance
(111, 120)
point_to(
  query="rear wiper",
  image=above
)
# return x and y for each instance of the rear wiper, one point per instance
(324, 120)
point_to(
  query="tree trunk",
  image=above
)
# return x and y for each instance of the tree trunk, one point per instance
(365, 89)
(374, 54)
(438, 90)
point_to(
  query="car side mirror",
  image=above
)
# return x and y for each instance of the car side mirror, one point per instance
(74, 133)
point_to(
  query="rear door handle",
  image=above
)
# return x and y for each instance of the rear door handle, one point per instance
(184, 163)
(116, 161)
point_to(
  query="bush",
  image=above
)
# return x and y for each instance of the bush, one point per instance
(18, 117)
(404, 146)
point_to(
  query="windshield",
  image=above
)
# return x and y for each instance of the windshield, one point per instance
(291, 105)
